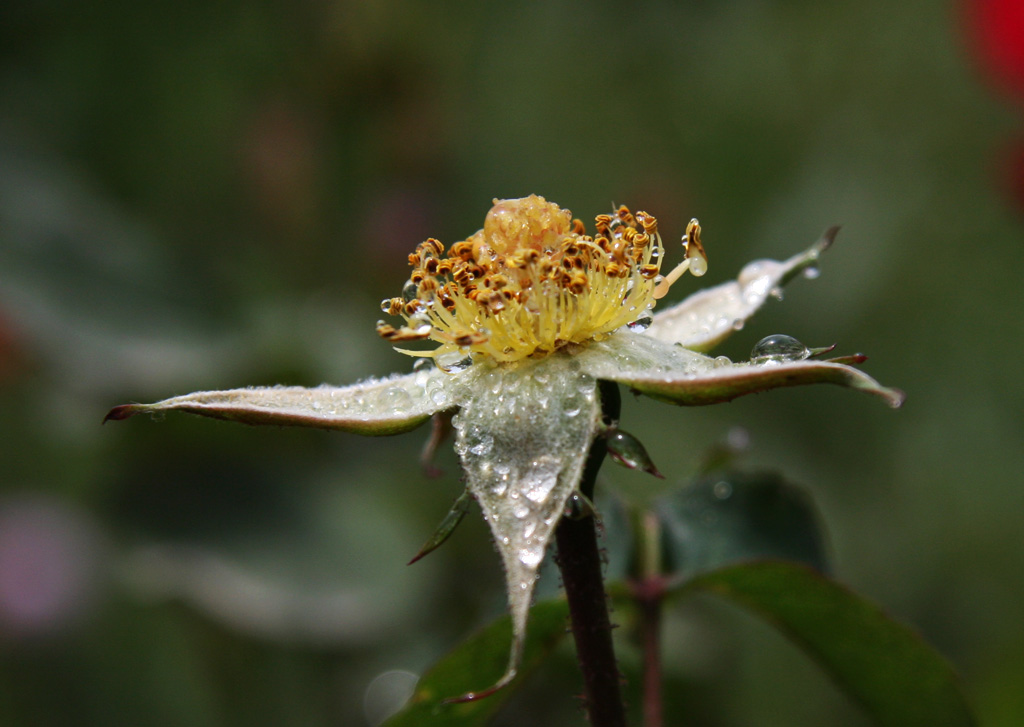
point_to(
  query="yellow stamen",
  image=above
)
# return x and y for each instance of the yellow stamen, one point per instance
(531, 281)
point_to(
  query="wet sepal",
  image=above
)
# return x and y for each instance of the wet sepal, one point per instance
(680, 376)
(522, 433)
(709, 316)
(375, 407)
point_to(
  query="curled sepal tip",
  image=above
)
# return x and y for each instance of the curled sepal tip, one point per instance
(507, 679)
(447, 526)
(123, 412)
(626, 450)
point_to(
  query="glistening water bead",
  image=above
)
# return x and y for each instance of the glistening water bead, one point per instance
(778, 348)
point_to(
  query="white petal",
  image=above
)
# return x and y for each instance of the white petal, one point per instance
(522, 434)
(374, 407)
(709, 316)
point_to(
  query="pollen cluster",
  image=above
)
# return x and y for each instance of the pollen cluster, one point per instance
(530, 282)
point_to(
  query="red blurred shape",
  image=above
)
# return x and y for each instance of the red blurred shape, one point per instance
(997, 39)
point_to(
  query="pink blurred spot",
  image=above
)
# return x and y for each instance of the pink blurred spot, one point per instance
(49, 566)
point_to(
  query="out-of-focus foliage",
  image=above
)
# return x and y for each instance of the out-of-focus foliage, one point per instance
(200, 196)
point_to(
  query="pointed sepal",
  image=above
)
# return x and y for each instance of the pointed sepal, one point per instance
(523, 432)
(447, 526)
(680, 376)
(709, 316)
(376, 407)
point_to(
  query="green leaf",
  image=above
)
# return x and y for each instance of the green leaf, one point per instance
(897, 677)
(479, 661)
(731, 517)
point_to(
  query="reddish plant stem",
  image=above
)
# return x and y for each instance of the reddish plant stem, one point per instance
(648, 596)
(580, 563)
(648, 591)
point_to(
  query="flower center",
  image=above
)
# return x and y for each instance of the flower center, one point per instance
(531, 281)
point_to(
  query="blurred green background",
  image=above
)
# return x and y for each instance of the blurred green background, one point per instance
(207, 195)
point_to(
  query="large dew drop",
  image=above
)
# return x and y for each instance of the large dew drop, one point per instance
(778, 348)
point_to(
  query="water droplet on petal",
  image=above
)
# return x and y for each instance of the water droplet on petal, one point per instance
(409, 291)
(453, 362)
(483, 446)
(737, 324)
(642, 323)
(776, 293)
(811, 272)
(778, 348)
(722, 490)
(423, 364)
(531, 557)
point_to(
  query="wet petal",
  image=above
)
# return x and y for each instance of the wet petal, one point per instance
(680, 376)
(709, 316)
(522, 434)
(374, 407)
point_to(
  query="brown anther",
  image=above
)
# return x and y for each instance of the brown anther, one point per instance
(469, 338)
(414, 259)
(445, 298)
(603, 224)
(648, 222)
(462, 250)
(648, 272)
(413, 307)
(444, 267)
(417, 276)
(434, 245)
(612, 269)
(386, 330)
(496, 303)
(625, 215)
(578, 227)
(395, 306)
(428, 285)
(577, 283)
(461, 274)
(430, 265)
(498, 281)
